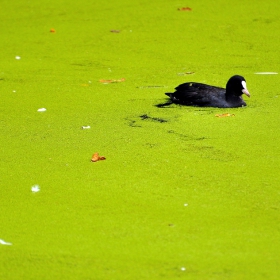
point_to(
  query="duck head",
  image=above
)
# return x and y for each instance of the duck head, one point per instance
(236, 85)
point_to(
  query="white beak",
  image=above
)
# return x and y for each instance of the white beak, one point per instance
(245, 91)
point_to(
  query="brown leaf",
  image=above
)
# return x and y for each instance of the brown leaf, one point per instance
(185, 9)
(224, 115)
(95, 157)
(112, 81)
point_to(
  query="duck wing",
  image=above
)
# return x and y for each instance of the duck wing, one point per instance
(196, 94)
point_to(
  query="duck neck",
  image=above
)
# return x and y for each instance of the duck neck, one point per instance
(230, 96)
(234, 100)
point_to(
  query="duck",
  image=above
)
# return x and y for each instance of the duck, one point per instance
(203, 95)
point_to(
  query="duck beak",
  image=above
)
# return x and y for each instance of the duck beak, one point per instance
(245, 91)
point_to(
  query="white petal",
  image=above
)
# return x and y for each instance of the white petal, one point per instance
(86, 127)
(42, 110)
(266, 73)
(35, 188)
(183, 268)
(4, 242)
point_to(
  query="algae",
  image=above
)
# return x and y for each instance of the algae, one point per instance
(182, 193)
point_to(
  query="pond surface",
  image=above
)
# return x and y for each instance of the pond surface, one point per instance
(182, 193)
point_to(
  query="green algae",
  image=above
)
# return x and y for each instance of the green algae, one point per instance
(193, 191)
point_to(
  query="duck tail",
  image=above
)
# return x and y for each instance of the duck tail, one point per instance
(168, 94)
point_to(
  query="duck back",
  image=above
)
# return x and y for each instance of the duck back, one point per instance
(197, 94)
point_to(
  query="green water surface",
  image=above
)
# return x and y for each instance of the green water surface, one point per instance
(182, 193)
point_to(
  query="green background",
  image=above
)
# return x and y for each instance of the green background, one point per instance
(190, 197)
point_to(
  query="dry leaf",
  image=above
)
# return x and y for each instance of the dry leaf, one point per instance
(224, 115)
(112, 81)
(52, 30)
(95, 157)
(185, 9)
(115, 31)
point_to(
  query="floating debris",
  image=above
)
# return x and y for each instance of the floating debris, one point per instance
(35, 188)
(4, 242)
(95, 157)
(52, 30)
(112, 81)
(42, 110)
(266, 73)
(146, 117)
(185, 73)
(185, 9)
(17, 57)
(152, 87)
(87, 84)
(115, 31)
(86, 127)
(224, 115)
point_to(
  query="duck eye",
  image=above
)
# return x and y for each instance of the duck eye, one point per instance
(244, 84)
